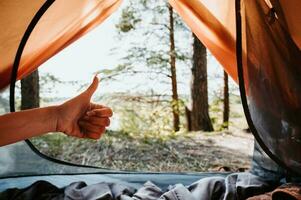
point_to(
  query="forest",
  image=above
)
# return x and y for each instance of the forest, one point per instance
(159, 127)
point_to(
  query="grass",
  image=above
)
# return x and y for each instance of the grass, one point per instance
(120, 151)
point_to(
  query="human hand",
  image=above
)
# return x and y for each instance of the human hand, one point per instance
(78, 117)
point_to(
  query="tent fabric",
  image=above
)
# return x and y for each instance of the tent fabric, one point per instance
(271, 52)
(271, 38)
(292, 17)
(63, 23)
(272, 66)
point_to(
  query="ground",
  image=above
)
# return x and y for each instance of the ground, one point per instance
(145, 141)
(197, 151)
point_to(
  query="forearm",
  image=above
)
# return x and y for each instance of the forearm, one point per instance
(22, 125)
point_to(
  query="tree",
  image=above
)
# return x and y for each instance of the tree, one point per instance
(30, 91)
(173, 72)
(226, 102)
(155, 46)
(199, 114)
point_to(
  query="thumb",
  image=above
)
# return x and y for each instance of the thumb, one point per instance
(92, 88)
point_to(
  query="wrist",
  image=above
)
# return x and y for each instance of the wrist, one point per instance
(54, 116)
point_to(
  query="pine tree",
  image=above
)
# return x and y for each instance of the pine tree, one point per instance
(226, 110)
(199, 114)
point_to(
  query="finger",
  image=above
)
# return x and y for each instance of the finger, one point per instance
(103, 112)
(98, 121)
(93, 135)
(92, 88)
(79, 135)
(76, 133)
(96, 106)
(90, 127)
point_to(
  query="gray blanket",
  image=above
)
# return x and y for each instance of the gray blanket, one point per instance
(234, 186)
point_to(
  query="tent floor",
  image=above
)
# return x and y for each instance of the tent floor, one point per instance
(135, 180)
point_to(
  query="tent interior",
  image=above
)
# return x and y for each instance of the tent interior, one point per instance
(258, 43)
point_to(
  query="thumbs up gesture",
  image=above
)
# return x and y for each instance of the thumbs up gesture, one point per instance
(79, 117)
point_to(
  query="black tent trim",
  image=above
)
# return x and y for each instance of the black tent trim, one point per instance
(239, 60)
(21, 47)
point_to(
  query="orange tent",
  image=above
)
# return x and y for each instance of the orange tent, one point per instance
(258, 42)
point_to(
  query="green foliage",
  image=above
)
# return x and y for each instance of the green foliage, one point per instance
(216, 113)
(144, 116)
(147, 25)
(147, 22)
(225, 125)
(57, 141)
(128, 20)
(146, 121)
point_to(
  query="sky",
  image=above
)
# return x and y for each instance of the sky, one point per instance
(93, 52)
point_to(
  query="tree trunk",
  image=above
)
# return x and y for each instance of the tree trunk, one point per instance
(188, 118)
(175, 98)
(30, 97)
(226, 102)
(200, 119)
